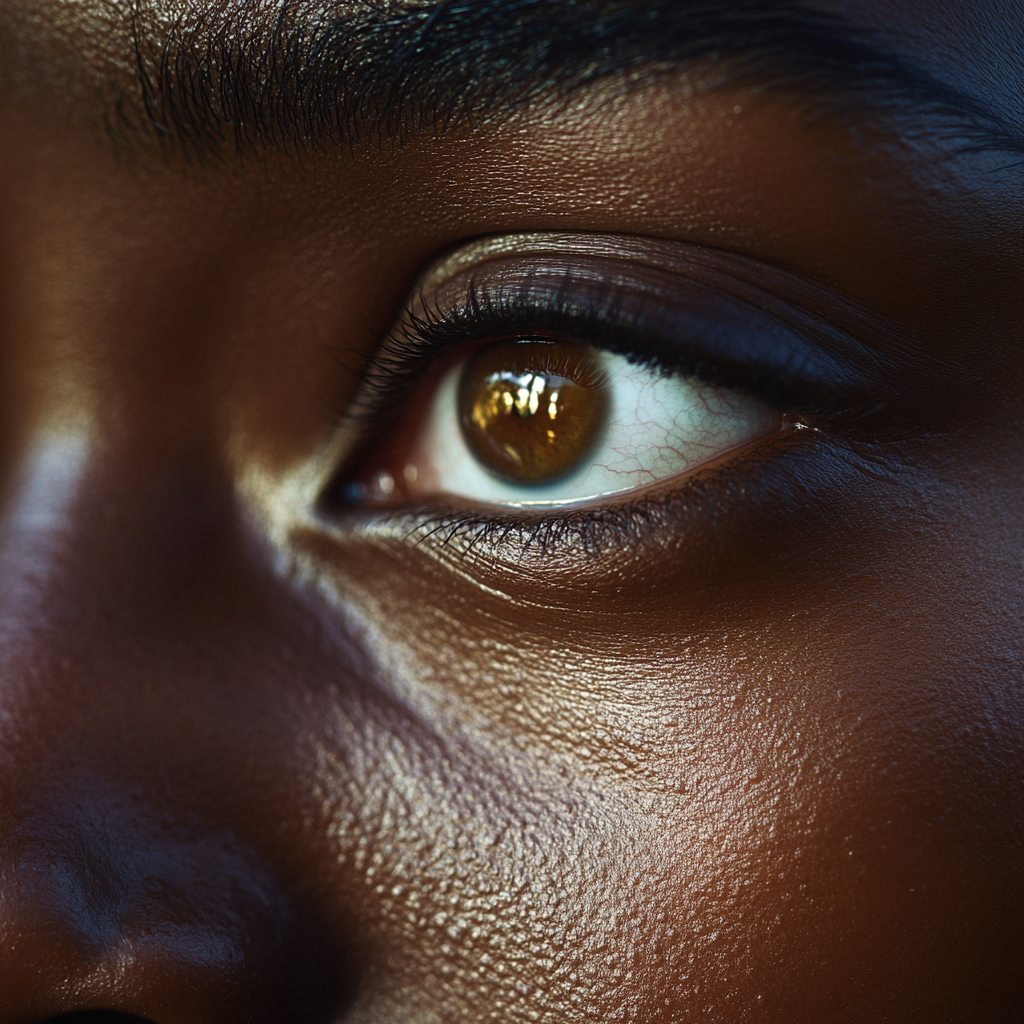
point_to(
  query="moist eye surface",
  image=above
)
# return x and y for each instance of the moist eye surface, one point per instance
(532, 410)
(557, 424)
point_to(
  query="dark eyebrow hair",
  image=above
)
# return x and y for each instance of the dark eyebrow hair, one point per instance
(302, 77)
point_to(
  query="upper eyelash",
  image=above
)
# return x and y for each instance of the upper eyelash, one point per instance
(422, 337)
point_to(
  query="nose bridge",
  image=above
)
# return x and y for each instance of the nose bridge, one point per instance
(33, 522)
(124, 885)
(90, 523)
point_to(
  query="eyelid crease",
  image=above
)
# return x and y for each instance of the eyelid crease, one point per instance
(662, 253)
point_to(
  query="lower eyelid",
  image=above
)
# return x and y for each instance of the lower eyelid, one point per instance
(503, 536)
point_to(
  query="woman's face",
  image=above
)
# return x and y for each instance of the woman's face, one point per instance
(314, 707)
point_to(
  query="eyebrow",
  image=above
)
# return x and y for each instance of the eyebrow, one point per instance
(298, 77)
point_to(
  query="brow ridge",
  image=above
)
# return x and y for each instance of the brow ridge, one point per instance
(304, 77)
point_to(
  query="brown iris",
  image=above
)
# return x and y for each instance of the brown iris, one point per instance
(531, 410)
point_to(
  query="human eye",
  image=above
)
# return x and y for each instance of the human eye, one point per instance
(540, 421)
(533, 375)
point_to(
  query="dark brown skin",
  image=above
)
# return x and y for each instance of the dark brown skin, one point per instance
(762, 764)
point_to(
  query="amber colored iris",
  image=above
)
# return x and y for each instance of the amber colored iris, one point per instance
(532, 410)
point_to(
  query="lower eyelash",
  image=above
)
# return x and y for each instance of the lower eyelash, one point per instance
(590, 531)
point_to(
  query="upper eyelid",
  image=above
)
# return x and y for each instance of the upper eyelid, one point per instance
(713, 327)
(663, 253)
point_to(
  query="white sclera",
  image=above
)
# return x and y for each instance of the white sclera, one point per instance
(658, 426)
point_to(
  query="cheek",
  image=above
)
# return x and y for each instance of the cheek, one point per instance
(752, 798)
(761, 828)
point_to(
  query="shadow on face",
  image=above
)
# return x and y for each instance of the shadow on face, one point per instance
(510, 513)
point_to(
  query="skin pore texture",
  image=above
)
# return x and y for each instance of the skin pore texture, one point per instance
(745, 748)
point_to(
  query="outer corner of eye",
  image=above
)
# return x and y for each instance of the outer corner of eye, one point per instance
(536, 423)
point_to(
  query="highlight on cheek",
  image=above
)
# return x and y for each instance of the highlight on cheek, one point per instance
(538, 423)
